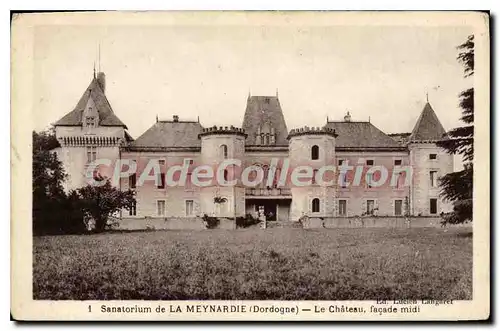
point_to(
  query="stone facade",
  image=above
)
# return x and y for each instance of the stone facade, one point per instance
(93, 131)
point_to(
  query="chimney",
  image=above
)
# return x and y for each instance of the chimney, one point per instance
(176, 118)
(101, 80)
(347, 117)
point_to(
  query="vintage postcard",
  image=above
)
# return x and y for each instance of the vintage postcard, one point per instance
(250, 166)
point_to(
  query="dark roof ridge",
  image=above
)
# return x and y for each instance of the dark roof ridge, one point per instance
(179, 121)
(348, 121)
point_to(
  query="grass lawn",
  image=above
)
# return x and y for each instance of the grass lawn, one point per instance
(280, 264)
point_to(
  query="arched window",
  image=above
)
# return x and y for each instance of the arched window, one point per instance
(315, 152)
(223, 151)
(315, 205)
(226, 175)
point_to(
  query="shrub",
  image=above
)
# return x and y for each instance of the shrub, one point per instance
(210, 221)
(246, 221)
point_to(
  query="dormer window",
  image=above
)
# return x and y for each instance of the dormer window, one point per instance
(90, 121)
(266, 135)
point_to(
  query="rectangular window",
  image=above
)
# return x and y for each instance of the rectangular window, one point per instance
(188, 185)
(397, 162)
(370, 206)
(91, 154)
(433, 206)
(161, 180)
(343, 179)
(315, 173)
(398, 207)
(160, 207)
(133, 209)
(433, 178)
(341, 162)
(189, 207)
(399, 180)
(369, 180)
(432, 156)
(342, 207)
(132, 179)
(369, 162)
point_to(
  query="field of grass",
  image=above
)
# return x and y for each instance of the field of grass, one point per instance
(281, 264)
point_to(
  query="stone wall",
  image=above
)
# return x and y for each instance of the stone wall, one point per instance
(171, 223)
(160, 223)
(381, 222)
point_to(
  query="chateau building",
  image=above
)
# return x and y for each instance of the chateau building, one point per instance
(93, 131)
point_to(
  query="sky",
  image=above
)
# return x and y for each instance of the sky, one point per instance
(377, 73)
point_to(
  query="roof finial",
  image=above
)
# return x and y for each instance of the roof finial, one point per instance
(347, 117)
(427, 96)
(249, 94)
(156, 118)
(276, 92)
(369, 119)
(326, 118)
(94, 69)
(198, 118)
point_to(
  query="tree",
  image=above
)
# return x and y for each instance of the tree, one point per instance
(48, 176)
(100, 202)
(457, 186)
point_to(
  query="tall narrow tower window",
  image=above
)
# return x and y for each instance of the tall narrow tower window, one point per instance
(223, 151)
(315, 205)
(315, 152)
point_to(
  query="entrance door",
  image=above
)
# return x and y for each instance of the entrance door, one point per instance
(270, 209)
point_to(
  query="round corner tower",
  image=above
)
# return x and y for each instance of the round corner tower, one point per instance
(220, 146)
(313, 149)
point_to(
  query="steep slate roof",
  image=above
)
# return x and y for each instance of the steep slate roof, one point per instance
(106, 115)
(401, 138)
(261, 110)
(428, 126)
(361, 135)
(170, 134)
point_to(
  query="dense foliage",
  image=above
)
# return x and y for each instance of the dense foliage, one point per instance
(211, 222)
(457, 186)
(246, 221)
(54, 211)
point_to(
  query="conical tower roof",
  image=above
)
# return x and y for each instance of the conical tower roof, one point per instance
(428, 126)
